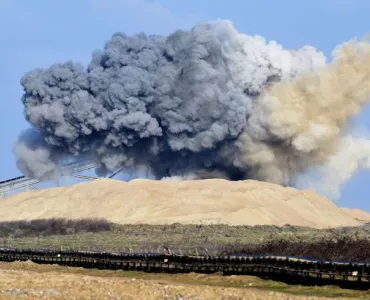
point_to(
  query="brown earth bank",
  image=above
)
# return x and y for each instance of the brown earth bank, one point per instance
(31, 281)
(188, 202)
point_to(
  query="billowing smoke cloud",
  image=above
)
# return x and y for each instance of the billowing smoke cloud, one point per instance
(209, 102)
(43, 160)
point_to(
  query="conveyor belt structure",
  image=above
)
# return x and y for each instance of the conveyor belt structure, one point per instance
(284, 268)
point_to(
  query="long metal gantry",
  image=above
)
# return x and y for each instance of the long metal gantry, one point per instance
(24, 182)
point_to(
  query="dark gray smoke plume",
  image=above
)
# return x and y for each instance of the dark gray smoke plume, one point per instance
(195, 102)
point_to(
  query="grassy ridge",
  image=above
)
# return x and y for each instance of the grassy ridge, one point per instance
(349, 243)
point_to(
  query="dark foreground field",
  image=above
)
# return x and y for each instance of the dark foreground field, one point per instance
(332, 244)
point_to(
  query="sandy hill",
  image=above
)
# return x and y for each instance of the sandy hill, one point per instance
(200, 201)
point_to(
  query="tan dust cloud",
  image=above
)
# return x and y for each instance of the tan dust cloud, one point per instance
(299, 123)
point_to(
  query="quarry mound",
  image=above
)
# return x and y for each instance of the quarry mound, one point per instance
(211, 201)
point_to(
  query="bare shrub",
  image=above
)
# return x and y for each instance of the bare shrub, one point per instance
(56, 226)
(342, 247)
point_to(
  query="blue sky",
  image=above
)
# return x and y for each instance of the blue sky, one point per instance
(38, 33)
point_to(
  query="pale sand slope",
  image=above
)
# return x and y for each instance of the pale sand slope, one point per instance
(202, 201)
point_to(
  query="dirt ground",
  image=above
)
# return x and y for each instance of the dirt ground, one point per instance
(31, 281)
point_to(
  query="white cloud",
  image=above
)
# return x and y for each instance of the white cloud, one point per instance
(353, 155)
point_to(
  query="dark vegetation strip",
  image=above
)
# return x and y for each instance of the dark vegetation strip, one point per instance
(57, 226)
(333, 249)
